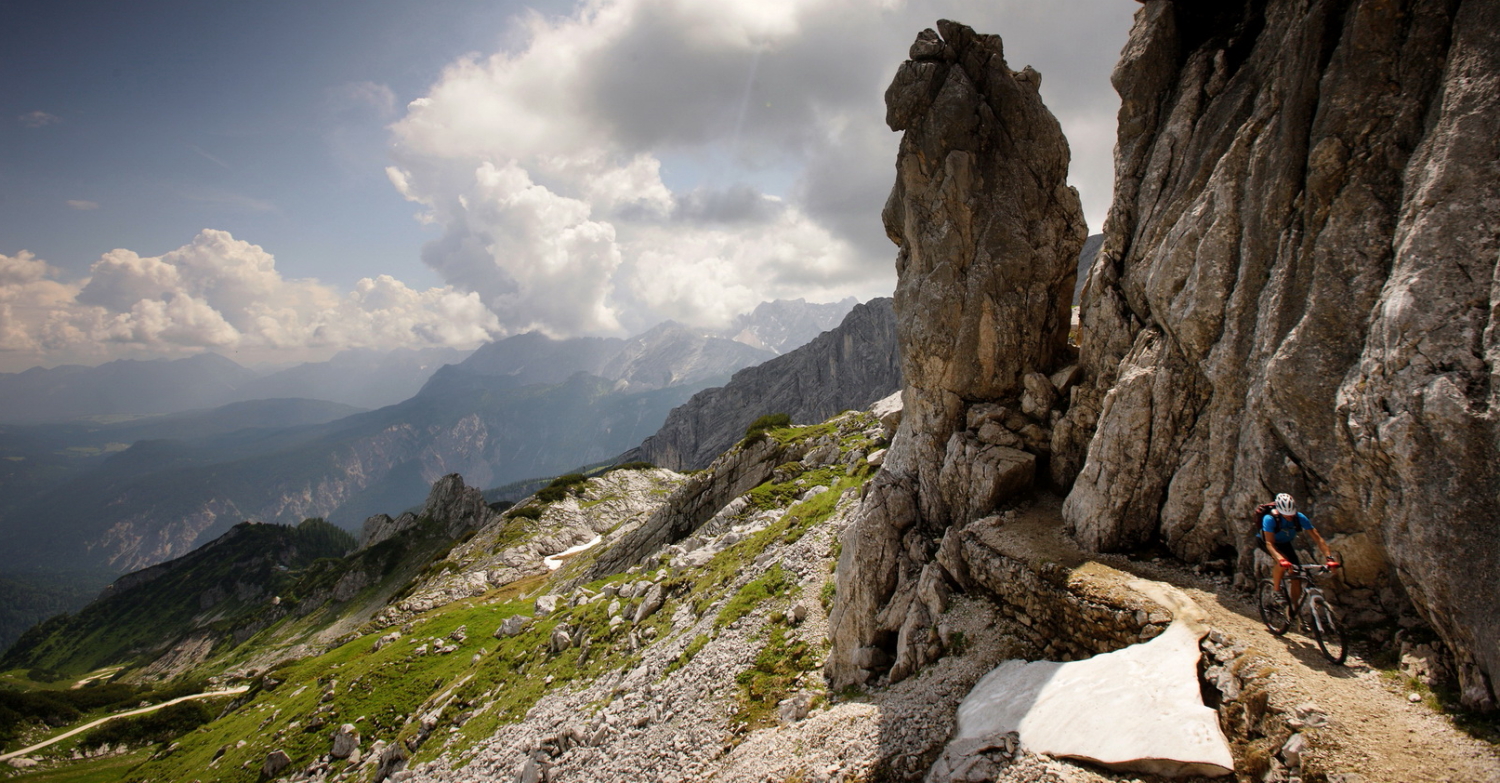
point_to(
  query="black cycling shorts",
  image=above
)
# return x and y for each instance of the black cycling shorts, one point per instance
(1290, 552)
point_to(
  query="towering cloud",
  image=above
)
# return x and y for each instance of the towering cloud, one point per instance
(648, 159)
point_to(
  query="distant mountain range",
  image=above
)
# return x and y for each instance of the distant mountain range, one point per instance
(129, 387)
(361, 377)
(127, 494)
(366, 378)
(120, 387)
(787, 324)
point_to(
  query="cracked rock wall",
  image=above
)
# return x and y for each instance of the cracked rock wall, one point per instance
(988, 234)
(1296, 292)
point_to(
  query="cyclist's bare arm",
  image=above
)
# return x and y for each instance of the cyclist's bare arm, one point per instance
(1322, 544)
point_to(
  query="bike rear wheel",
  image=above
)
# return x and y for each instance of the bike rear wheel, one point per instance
(1273, 608)
(1328, 631)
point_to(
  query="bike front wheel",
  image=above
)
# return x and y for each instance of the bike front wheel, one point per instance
(1328, 631)
(1273, 608)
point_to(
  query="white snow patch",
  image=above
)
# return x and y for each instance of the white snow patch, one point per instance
(554, 562)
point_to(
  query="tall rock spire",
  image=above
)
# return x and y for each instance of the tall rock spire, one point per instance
(988, 233)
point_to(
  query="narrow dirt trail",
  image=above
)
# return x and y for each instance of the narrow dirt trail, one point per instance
(1372, 730)
(106, 719)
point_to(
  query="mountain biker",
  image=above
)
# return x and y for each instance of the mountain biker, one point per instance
(1280, 528)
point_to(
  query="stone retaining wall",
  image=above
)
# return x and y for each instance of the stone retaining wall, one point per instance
(1070, 610)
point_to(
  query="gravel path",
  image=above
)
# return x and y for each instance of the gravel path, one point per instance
(106, 719)
(1373, 729)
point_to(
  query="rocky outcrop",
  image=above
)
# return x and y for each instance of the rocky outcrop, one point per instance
(458, 507)
(696, 501)
(1295, 294)
(506, 548)
(848, 367)
(989, 236)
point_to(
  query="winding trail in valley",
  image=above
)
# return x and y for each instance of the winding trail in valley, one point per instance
(140, 711)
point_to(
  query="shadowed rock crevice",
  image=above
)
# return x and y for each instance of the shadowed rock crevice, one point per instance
(989, 235)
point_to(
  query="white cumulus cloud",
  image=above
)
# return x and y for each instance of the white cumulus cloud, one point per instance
(218, 292)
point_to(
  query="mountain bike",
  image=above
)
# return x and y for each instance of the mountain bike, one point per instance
(1277, 612)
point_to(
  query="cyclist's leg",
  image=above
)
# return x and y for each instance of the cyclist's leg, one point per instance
(1277, 572)
(1295, 588)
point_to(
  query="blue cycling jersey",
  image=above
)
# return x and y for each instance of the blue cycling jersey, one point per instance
(1284, 530)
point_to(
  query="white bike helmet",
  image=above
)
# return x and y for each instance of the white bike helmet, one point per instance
(1285, 506)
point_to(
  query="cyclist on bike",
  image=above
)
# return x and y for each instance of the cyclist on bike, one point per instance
(1280, 528)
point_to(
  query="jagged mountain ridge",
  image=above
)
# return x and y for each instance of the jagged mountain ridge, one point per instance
(668, 354)
(363, 378)
(848, 367)
(784, 325)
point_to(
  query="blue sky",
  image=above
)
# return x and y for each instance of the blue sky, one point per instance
(175, 116)
(280, 180)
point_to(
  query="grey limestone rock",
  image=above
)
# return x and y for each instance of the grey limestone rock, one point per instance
(276, 761)
(345, 741)
(652, 602)
(1295, 293)
(989, 235)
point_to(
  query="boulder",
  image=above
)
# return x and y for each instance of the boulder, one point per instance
(383, 641)
(276, 761)
(561, 638)
(795, 708)
(652, 602)
(888, 411)
(547, 604)
(512, 626)
(345, 741)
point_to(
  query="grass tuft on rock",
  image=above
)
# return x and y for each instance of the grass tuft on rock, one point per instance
(774, 583)
(773, 677)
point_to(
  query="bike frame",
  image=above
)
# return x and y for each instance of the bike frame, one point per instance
(1303, 574)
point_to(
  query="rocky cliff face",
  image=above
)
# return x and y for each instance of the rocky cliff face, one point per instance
(848, 367)
(989, 236)
(1296, 293)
